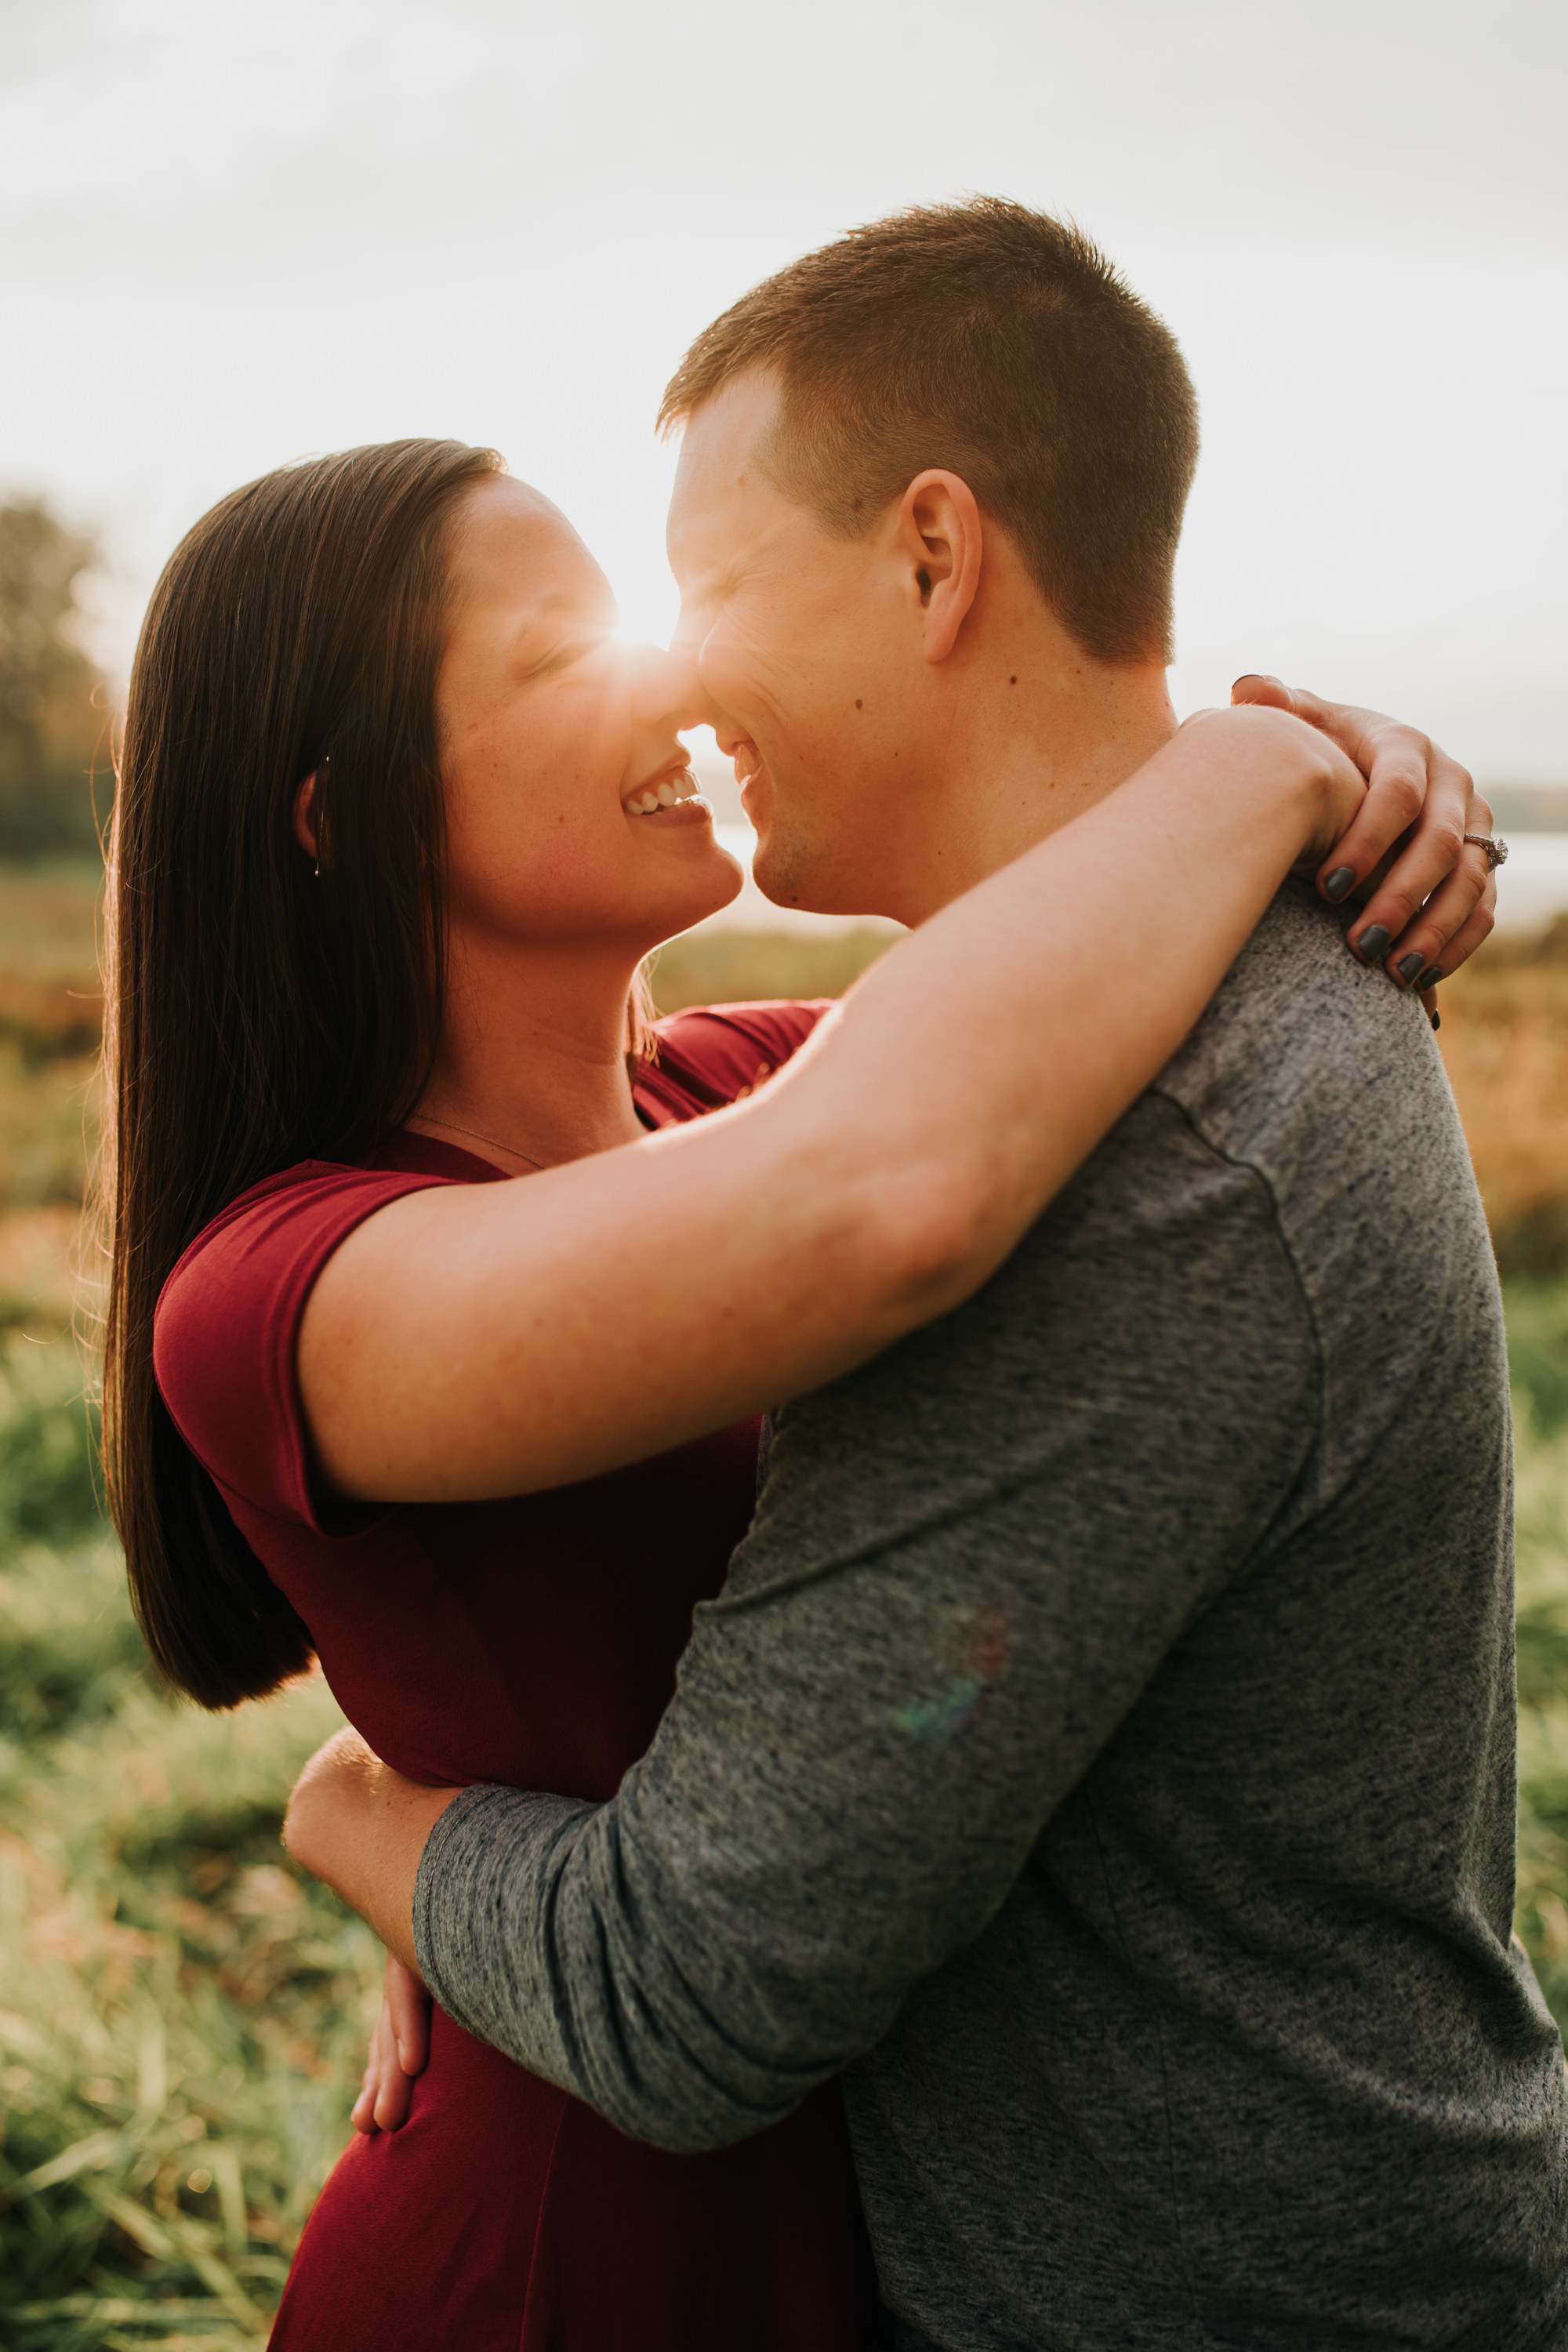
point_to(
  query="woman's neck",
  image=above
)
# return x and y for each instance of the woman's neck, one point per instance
(530, 1070)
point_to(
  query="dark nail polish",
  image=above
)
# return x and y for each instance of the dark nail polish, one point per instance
(1407, 967)
(1428, 979)
(1374, 942)
(1339, 883)
(1436, 1018)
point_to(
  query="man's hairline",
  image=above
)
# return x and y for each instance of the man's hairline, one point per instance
(766, 460)
(758, 454)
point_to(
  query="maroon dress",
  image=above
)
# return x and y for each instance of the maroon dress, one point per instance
(534, 1642)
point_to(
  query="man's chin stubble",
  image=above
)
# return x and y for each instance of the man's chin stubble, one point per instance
(794, 874)
(789, 878)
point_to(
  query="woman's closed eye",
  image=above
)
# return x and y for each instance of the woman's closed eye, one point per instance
(568, 651)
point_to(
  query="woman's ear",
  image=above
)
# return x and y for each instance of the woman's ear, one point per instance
(940, 540)
(305, 819)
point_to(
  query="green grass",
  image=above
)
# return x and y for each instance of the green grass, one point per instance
(182, 2014)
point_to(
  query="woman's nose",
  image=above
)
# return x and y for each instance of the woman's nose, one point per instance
(668, 690)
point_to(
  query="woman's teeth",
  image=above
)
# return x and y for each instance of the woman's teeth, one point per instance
(664, 795)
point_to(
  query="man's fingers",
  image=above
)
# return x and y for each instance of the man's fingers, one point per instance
(408, 2008)
(394, 2097)
(386, 2091)
(380, 2049)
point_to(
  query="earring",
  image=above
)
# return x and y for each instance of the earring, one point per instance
(324, 774)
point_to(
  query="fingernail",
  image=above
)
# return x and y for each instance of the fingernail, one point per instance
(1436, 1018)
(1374, 942)
(1428, 979)
(1339, 883)
(1407, 967)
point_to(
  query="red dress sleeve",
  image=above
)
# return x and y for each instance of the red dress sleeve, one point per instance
(716, 1053)
(228, 1323)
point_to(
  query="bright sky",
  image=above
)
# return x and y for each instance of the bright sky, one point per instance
(231, 235)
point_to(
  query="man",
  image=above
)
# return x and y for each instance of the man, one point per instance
(1102, 1752)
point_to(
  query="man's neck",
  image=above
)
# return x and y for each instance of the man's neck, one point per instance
(1026, 760)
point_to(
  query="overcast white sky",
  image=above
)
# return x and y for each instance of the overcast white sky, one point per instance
(231, 235)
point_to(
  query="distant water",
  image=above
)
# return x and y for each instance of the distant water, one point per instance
(1533, 885)
(1531, 888)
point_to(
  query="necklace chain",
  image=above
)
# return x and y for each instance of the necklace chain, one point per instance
(473, 1136)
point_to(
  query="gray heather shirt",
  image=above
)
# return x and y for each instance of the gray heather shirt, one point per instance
(1102, 1754)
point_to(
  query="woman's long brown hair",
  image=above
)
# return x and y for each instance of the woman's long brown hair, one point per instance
(261, 1012)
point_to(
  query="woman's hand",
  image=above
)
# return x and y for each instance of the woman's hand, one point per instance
(399, 2050)
(1429, 898)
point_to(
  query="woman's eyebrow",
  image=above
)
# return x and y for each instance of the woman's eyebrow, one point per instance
(567, 600)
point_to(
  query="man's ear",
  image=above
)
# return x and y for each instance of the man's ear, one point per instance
(305, 818)
(940, 541)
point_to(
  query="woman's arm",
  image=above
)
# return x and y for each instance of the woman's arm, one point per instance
(470, 1342)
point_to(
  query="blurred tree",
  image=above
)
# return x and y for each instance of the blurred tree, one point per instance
(54, 717)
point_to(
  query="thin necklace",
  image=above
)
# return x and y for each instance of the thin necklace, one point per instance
(473, 1136)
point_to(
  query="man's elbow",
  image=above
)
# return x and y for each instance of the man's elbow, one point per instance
(687, 2111)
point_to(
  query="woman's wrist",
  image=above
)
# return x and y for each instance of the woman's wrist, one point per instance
(1287, 772)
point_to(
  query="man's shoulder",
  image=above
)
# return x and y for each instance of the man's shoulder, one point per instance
(1302, 1045)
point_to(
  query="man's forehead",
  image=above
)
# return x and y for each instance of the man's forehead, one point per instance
(718, 484)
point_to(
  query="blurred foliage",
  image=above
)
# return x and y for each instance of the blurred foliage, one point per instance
(739, 967)
(1537, 1348)
(182, 2014)
(54, 714)
(1505, 1044)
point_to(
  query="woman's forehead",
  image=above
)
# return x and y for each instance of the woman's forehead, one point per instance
(517, 549)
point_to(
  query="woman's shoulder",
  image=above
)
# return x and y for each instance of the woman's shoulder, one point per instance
(717, 1053)
(227, 1318)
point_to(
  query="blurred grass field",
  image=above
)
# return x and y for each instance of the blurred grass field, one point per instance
(182, 2013)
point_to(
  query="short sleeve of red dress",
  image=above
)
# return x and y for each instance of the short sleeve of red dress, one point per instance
(227, 1324)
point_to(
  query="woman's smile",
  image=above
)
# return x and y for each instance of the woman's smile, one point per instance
(671, 796)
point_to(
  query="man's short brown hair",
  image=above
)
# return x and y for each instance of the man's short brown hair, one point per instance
(1001, 346)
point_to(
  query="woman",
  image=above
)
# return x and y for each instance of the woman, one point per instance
(397, 822)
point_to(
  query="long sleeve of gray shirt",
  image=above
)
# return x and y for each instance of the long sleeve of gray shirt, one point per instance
(1101, 1755)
